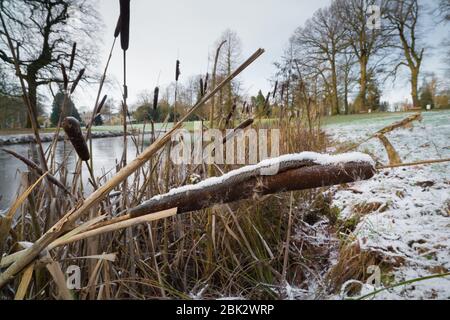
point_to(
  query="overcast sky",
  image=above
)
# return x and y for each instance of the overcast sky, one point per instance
(162, 31)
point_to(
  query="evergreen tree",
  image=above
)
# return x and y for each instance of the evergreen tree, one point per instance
(98, 121)
(426, 96)
(71, 110)
(259, 102)
(373, 94)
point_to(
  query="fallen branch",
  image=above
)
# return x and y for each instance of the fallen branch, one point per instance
(296, 172)
(399, 124)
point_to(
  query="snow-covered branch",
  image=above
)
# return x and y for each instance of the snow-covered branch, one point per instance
(300, 171)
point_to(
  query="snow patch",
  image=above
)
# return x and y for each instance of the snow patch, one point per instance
(415, 225)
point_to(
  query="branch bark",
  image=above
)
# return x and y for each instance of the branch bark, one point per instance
(299, 176)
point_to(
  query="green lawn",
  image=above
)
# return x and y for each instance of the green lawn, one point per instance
(370, 117)
(330, 120)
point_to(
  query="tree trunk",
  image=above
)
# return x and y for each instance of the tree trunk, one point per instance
(334, 96)
(346, 106)
(361, 105)
(414, 87)
(32, 96)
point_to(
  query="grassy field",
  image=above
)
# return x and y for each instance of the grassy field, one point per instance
(330, 120)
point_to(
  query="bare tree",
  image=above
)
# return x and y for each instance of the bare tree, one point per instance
(347, 76)
(444, 9)
(43, 33)
(321, 41)
(229, 58)
(366, 42)
(403, 17)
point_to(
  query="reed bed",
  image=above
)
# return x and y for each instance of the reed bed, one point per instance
(243, 249)
(246, 249)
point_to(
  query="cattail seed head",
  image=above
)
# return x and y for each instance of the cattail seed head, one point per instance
(155, 98)
(283, 88)
(118, 26)
(266, 103)
(77, 80)
(245, 124)
(177, 70)
(72, 56)
(72, 128)
(244, 105)
(102, 103)
(233, 109)
(202, 88)
(206, 82)
(65, 78)
(125, 24)
(275, 89)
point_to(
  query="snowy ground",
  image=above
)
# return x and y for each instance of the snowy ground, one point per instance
(411, 218)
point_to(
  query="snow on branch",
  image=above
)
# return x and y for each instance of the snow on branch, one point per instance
(300, 171)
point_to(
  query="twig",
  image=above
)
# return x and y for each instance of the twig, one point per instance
(413, 164)
(39, 171)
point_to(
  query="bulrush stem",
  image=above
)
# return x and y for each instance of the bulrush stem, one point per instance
(99, 92)
(125, 112)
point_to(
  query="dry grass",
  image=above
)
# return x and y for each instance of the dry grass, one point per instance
(229, 250)
(249, 249)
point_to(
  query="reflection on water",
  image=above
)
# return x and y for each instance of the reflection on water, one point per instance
(106, 153)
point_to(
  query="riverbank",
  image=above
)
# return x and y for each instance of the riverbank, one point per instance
(6, 140)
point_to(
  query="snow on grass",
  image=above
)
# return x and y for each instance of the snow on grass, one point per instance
(414, 224)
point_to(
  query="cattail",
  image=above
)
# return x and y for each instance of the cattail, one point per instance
(155, 98)
(244, 105)
(245, 124)
(206, 82)
(72, 56)
(283, 88)
(100, 106)
(242, 126)
(266, 103)
(230, 114)
(72, 128)
(118, 26)
(202, 88)
(65, 78)
(125, 24)
(75, 83)
(177, 70)
(275, 89)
